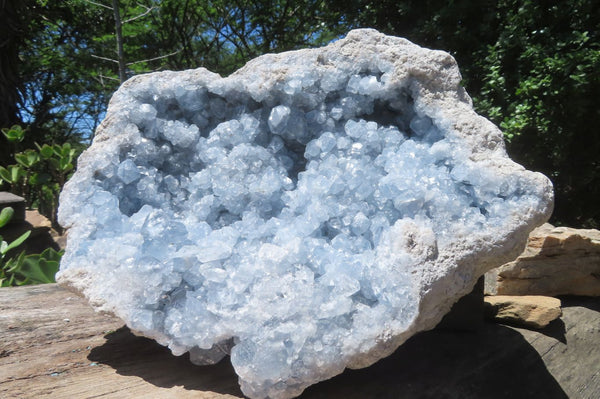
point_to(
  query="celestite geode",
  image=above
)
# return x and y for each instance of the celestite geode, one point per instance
(308, 213)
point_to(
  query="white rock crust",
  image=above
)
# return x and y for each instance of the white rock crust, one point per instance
(308, 213)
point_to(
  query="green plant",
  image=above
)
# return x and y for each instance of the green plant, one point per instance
(25, 269)
(38, 174)
(13, 175)
(14, 134)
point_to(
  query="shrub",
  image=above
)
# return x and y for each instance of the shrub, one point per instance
(25, 269)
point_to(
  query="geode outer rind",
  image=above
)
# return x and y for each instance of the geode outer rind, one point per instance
(308, 213)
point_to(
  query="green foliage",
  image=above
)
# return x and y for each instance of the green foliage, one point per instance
(5, 216)
(219, 35)
(57, 101)
(14, 134)
(541, 79)
(39, 174)
(12, 175)
(68, 66)
(31, 269)
(25, 269)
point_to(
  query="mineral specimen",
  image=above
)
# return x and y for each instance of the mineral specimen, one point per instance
(308, 213)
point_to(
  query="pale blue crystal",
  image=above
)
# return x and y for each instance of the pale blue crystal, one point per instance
(294, 217)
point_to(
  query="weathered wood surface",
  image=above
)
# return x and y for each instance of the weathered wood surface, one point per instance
(53, 345)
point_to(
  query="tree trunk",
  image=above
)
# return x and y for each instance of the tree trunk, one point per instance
(119, 32)
(12, 31)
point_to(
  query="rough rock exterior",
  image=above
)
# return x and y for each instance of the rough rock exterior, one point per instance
(556, 261)
(308, 213)
(535, 311)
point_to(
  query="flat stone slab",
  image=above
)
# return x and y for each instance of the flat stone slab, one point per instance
(556, 261)
(533, 311)
(55, 346)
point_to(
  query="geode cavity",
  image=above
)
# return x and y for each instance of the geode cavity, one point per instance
(308, 213)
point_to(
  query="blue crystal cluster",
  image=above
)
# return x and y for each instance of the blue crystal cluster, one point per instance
(266, 227)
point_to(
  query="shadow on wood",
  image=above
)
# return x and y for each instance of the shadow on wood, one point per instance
(131, 355)
(495, 362)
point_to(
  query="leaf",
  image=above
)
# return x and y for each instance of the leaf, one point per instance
(55, 163)
(12, 175)
(33, 179)
(16, 173)
(5, 215)
(13, 264)
(46, 151)
(66, 149)
(14, 134)
(21, 159)
(17, 242)
(51, 254)
(8, 282)
(28, 158)
(38, 270)
(57, 148)
(65, 165)
(5, 174)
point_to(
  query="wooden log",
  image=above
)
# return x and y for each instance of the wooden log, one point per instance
(53, 345)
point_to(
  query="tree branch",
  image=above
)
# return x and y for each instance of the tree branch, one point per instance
(108, 77)
(98, 4)
(148, 10)
(155, 58)
(104, 58)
